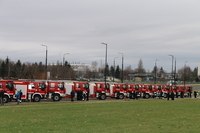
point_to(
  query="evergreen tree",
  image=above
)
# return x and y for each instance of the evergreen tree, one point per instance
(112, 71)
(3, 70)
(194, 76)
(7, 67)
(18, 69)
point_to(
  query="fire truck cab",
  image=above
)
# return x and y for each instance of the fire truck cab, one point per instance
(165, 90)
(157, 91)
(8, 87)
(35, 91)
(56, 90)
(31, 90)
(133, 91)
(119, 90)
(101, 90)
(81, 89)
(147, 91)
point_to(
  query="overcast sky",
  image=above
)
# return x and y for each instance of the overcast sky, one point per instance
(140, 29)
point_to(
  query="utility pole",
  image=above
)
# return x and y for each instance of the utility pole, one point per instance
(46, 62)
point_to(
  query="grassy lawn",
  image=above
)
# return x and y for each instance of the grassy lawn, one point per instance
(109, 116)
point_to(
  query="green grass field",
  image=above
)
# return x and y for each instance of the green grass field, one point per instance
(109, 116)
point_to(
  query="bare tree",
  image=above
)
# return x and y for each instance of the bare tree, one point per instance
(128, 70)
(185, 73)
(140, 69)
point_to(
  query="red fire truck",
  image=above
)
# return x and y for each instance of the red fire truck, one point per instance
(81, 89)
(35, 91)
(157, 91)
(8, 87)
(165, 90)
(147, 91)
(56, 90)
(133, 91)
(101, 91)
(32, 91)
(118, 90)
(183, 91)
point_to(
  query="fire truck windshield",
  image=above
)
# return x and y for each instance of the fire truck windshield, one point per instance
(10, 86)
(61, 85)
(42, 86)
(86, 86)
(124, 86)
(107, 86)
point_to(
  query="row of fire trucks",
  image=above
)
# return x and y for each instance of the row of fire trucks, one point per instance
(56, 90)
(120, 90)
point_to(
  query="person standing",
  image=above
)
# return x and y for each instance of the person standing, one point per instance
(172, 95)
(88, 93)
(168, 95)
(195, 94)
(72, 95)
(2, 97)
(20, 96)
(134, 95)
(190, 92)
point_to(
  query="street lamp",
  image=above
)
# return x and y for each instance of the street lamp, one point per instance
(175, 71)
(172, 63)
(114, 69)
(64, 58)
(155, 71)
(122, 67)
(46, 60)
(185, 72)
(105, 61)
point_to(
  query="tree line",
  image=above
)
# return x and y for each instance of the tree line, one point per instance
(18, 70)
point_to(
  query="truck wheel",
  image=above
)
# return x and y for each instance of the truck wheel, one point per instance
(36, 98)
(121, 96)
(147, 96)
(56, 97)
(165, 95)
(102, 96)
(5, 99)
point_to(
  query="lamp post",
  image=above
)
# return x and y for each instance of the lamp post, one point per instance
(46, 60)
(172, 63)
(155, 72)
(122, 67)
(175, 71)
(185, 72)
(64, 58)
(105, 62)
(114, 69)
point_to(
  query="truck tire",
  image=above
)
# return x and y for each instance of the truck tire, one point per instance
(56, 97)
(102, 96)
(36, 98)
(121, 96)
(165, 95)
(5, 99)
(147, 96)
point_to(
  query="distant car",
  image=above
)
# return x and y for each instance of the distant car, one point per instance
(171, 83)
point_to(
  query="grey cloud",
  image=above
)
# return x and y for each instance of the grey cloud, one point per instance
(139, 29)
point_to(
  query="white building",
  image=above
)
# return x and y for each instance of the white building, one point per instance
(84, 67)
